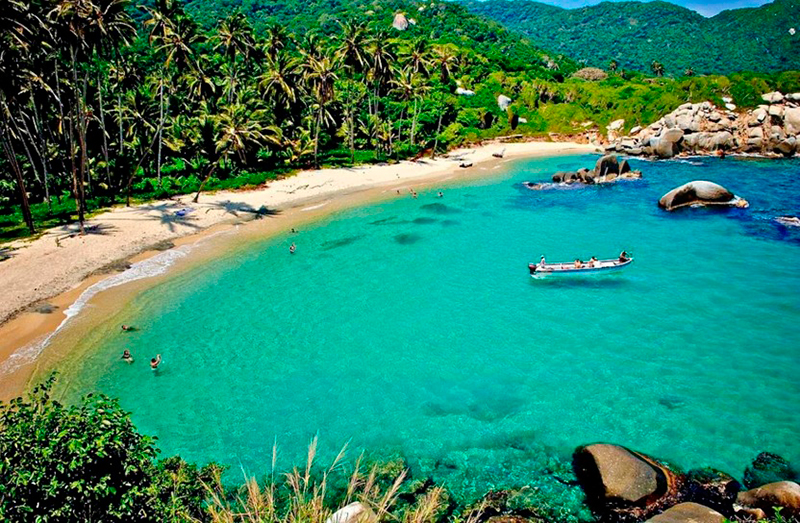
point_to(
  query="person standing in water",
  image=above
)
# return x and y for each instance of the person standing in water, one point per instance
(292, 248)
(155, 362)
(126, 356)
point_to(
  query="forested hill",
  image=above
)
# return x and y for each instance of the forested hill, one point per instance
(635, 34)
(439, 21)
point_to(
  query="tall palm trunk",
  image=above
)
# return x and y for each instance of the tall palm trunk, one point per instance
(45, 164)
(212, 168)
(160, 127)
(8, 149)
(316, 137)
(414, 123)
(103, 129)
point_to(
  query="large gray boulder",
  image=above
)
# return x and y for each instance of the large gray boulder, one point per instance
(688, 513)
(697, 192)
(783, 494)
(791, 120)
(621, 481)
(606, 165)
(668, 144)
(774, 97)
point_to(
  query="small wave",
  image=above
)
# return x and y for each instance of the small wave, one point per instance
(158, 264)
(312, 207)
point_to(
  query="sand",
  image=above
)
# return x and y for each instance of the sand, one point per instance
(55, 268)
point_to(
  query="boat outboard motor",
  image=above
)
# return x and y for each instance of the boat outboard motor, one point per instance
(532, 267)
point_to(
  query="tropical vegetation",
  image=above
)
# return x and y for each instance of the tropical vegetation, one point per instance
(103, 102)
(634, 34)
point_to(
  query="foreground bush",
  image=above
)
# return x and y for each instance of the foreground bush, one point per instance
(88, 463)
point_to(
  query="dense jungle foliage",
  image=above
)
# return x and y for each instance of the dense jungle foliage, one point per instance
(635, 34)
(105, 101)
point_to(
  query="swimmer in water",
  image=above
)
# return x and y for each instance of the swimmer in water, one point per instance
(292, 248)
(441, 194)
(126, 356)
(155, 362)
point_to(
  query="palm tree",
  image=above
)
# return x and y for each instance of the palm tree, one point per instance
(320, 75)
(418, 58)
(236, 37)
(446, 60)
(353, 48)
(276, 40)
(86, 28)
(351, 94)
(279, 79)
(657, 68)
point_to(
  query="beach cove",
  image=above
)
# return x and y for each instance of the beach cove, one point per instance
(35, 302)
(410, 328)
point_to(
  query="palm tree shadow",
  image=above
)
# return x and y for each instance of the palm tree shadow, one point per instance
(6, 253)
(71, 230)
(235, 208)
(171, 214)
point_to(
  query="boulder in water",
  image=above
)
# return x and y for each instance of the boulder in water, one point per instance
(606, 165)
(768, 468)
(783, 494)
(688, 513)
(622, 484)
(698, 192)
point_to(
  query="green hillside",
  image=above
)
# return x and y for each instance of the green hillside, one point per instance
(635, 34)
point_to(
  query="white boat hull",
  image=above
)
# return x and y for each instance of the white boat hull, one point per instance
(601, 267)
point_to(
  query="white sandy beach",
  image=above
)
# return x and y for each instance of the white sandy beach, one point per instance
(61, 259)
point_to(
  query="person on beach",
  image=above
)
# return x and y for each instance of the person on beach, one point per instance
(414, 194)
(126, 356)
(155, 362)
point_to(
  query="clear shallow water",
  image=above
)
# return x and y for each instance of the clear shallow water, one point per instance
(412, 327)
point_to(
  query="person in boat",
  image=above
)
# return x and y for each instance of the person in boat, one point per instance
(592, 262)
(623, 257)
(292, 248)
(126, 356)
(578, 263)
(155, 362)
(542, 263)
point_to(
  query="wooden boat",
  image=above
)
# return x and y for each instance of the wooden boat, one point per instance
(600, 266)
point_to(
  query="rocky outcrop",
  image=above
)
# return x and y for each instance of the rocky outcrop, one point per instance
(768, 468)
(623, 485)
(699, 192)
(703, 128)
(608, 169)
(688, 513)
(783, 494)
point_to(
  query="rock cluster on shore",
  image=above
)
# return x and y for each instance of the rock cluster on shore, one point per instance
(773, 128)
(622, 485)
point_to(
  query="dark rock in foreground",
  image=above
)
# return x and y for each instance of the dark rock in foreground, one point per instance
(712, 488)
(623, 485)
(699, 192)
(688, 513)
(607, 169)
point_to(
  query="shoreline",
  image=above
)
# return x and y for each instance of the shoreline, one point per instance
(124, 236)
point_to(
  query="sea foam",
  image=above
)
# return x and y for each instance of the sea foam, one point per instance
(158, 264)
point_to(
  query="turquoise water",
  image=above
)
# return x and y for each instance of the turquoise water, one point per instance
(412, 328)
